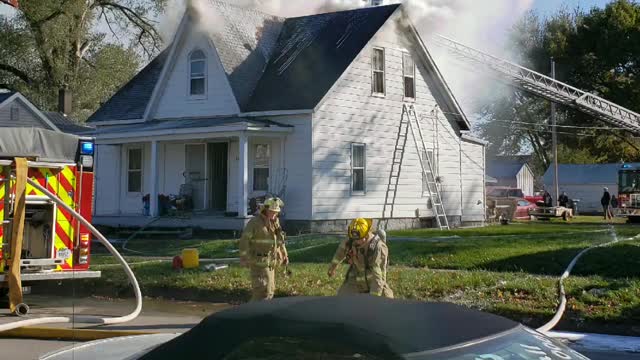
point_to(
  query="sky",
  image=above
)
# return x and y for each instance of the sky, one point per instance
(543, 6)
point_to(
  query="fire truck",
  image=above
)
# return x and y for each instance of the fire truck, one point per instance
(55, 246)
(629, 192)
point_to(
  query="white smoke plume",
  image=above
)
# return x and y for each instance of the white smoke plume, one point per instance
(483, 24)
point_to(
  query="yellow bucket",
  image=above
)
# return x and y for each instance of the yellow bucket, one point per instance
(190, 258)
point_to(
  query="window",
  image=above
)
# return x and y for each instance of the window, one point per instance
(261, 162)
(358, 168)
(429, 154)
(409, 74)
(377, 64)
(15, 114)
(197, 68)
(134, 170)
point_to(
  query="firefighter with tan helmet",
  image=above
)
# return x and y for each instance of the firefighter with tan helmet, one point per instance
(262, 249)
(367, 254)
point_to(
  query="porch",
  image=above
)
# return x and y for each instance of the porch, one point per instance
(208, 168)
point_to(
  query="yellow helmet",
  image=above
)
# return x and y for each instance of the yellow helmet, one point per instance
(359, 228)
(273, 204)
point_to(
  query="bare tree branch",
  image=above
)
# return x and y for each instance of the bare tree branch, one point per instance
(144, 24)
(19, 73)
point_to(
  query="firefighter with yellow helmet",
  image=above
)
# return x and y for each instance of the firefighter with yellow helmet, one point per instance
(262, 249)
(367, 254)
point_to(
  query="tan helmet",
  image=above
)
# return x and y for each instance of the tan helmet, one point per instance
(274, 204)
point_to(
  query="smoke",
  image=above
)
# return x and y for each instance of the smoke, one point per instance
(480, 24)
(484, 25)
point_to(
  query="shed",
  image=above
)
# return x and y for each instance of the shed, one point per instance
(511, 173)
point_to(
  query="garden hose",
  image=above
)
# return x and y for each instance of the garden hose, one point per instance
(112, 250)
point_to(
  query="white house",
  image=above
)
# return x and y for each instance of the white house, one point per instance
(17, 111)
(306, 107)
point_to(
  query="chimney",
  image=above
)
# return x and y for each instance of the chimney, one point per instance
(64, 101)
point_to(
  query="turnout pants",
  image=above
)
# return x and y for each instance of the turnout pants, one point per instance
(352, 286)
(263, 283)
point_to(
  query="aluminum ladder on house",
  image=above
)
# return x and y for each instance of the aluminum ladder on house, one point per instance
(409, 122)
(544, 86)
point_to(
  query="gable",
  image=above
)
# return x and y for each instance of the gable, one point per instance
(311, 55)
(175, 99)
(16, 112)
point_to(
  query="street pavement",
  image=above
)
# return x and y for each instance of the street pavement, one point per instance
(157, 316)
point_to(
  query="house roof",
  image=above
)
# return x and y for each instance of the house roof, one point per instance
(66, 124)
(501, 169)
(272, 63)
(312, 53)
(245, 46)
(5, 95)
(589, 174)
(164, 125)
(130, 102)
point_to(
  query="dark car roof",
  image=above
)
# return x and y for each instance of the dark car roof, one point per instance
(366, 323)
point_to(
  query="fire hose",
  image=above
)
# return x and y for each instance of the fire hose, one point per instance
(112, 250)
(562, 295)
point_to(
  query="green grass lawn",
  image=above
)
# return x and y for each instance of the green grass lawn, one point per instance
(509, 270)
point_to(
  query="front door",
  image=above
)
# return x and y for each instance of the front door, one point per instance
(218, 153)
(195, 173)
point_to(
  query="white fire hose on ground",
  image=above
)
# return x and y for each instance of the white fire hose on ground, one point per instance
(563, 296)
(112, 250)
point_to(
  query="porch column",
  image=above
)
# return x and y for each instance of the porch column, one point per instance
(243, 175)
(153, 191)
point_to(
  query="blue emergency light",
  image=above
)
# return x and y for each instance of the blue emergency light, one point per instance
(626, 166)
(86, 148)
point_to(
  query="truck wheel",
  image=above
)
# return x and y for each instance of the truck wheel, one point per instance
(22, 309)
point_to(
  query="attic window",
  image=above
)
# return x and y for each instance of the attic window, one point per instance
(197, 67)
(409, 74)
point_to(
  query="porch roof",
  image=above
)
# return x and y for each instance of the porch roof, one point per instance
(190, 126)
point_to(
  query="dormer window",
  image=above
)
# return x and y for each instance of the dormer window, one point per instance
(198, 73)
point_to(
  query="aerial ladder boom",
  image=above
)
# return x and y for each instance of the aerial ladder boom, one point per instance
(546, 87)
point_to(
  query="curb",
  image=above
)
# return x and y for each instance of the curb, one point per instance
(50, 333)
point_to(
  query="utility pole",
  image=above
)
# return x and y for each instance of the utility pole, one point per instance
(554, 137)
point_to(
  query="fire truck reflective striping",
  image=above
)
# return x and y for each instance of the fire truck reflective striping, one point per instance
(2, 187)
(61, 182)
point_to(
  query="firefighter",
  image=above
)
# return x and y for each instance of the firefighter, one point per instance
(262, 249)
(563, 200)
(605, 201)
(368, 258)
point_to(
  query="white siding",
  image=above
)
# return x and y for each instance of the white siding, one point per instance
(26, 117)
(473, 182)
(107, 180)
(525, 181)
(175, 101)
(350, 114)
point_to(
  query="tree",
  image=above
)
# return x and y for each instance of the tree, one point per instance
(596, 51)
(54, 44)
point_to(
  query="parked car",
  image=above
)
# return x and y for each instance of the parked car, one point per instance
(354, 327)
(523, 208)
